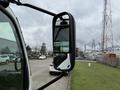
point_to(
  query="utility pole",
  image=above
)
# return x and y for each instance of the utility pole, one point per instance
(85, 47)
(93, 45)
(107, 35)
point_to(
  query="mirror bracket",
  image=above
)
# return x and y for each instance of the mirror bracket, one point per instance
(5, 3)
(52, 81)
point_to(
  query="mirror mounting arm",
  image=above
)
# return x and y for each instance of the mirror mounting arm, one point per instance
(33, 7)
(52, 81)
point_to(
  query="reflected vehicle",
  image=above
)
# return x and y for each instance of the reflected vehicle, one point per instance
(4, 58)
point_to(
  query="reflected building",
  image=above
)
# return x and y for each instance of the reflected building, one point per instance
(8, 46)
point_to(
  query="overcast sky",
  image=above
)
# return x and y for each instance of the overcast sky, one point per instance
(37, 26)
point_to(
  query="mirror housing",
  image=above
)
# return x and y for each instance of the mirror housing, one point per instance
(64, 41)
(4, 3)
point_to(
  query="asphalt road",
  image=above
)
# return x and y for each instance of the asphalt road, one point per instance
(40, 76)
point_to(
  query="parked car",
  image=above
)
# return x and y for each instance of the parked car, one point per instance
(12, 58)
(4, 58)
(80, 58)
(34, 56)
(42, 57)
(53, 71)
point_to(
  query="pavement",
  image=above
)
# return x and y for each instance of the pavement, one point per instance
(40, 76)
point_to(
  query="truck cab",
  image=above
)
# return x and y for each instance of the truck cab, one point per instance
(16, 75)
(11, 41)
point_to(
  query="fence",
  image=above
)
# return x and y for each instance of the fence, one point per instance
(110, 59)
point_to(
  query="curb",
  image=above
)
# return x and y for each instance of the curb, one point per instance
(69, 81)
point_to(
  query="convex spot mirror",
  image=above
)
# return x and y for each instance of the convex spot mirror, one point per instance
(64, 41)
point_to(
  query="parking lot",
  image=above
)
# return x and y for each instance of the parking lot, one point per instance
(40, 76)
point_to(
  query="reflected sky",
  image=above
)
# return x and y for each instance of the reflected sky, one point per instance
(6, 31)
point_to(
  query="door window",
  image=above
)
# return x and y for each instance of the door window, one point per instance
(10, 70)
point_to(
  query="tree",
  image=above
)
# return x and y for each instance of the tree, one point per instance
(28, 48)
(43, 50)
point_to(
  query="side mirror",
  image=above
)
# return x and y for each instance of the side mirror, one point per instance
(64, 41)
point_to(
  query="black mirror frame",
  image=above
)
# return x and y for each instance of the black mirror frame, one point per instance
(72, 38)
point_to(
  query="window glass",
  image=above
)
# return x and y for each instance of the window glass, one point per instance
(10, 56)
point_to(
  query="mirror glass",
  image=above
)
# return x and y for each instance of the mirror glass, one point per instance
(11, 75)
(61, 35)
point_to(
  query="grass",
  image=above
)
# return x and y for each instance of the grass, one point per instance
(96, 77)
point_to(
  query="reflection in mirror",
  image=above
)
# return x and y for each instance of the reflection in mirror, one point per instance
(61, 35)
(59, 59)
(10, 65)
